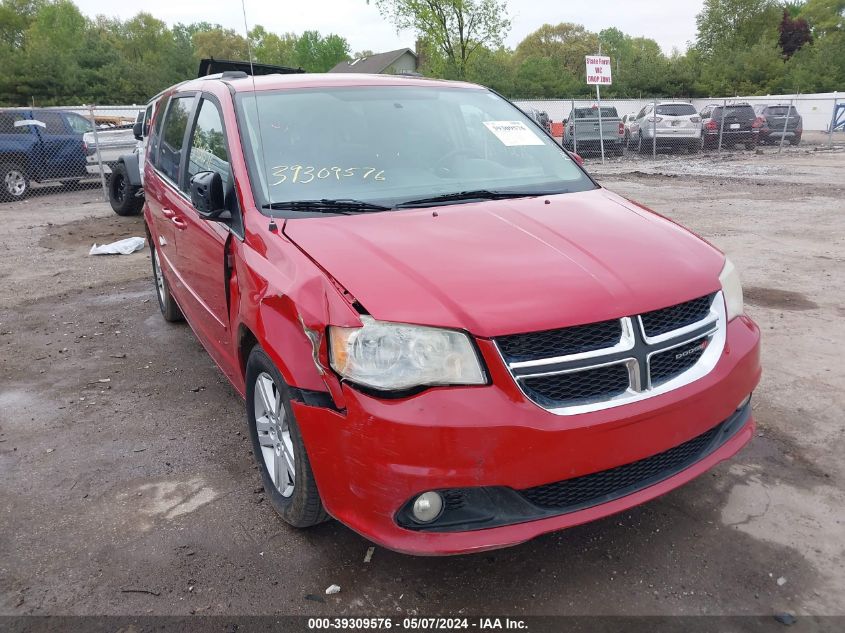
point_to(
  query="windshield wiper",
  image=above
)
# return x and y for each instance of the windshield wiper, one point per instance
(477, 194)
(344, 206)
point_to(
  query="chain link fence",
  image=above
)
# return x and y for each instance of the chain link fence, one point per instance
(49, 151)
(672, 129)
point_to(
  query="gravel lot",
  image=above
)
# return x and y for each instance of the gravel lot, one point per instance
(128, 486)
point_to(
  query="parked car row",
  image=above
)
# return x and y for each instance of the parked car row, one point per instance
(678, 124)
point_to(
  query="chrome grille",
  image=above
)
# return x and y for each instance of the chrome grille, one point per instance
(609, 363)
(572, 340)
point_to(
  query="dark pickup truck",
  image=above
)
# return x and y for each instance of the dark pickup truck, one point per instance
(40, 145)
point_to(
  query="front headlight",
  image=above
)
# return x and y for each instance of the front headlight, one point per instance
(395, 356)
(732, 290)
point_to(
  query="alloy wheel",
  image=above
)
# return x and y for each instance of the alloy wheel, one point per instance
(273, 433)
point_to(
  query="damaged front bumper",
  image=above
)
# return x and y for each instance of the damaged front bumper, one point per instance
(509, 470)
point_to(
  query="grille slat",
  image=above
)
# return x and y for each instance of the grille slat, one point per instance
(664, 320)
(562, 342)
(595, 488)
(666, 365)
(578, 387)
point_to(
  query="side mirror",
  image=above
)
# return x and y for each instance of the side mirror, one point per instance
(207, 194)
(138, 130)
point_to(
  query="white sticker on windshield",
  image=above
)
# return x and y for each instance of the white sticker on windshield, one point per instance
(513, 133)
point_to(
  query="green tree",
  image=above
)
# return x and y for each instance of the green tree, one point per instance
(270, 48)
(565, 45)
(734, 25)
(317, 54)
(457, 29)
(220, 43)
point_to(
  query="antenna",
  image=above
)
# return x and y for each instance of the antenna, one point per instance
(265, 187)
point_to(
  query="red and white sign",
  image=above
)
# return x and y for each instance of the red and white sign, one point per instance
(599, 70)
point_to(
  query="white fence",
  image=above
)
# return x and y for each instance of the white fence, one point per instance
(815, 109)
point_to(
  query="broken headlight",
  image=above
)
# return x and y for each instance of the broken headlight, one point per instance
(396, 356)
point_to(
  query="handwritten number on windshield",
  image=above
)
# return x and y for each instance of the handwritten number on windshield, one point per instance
(304, 174)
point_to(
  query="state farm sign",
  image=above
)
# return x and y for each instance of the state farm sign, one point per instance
(598, 70)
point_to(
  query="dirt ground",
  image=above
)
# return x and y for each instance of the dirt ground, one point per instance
(128, 486)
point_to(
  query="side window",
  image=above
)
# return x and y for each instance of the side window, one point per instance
(52, 120)
(7, 124)
(641, 113)
(78, 124)
(148, 115)
(172, 136)
(208, 145)
(152, 142)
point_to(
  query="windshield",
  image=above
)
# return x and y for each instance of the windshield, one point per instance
(676, 109)
(391, 145)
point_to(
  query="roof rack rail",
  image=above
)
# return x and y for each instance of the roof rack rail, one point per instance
(211, 66)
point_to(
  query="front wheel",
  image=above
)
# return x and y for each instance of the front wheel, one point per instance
(277, 444)
(122, 194)
(15, 183)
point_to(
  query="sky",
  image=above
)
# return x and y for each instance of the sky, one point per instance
(671, 24)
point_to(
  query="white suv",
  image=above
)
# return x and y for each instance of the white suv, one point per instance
(675, 124)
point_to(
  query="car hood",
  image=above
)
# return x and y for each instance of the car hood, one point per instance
(507, 266)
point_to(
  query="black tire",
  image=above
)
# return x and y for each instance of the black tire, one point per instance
(749, 145)
(14, 182)
(692, 148)
(302, 507)
(795, 140)
(122, 194)
(166, 303)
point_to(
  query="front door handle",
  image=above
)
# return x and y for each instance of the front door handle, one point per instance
(180, 223)
(168, 213)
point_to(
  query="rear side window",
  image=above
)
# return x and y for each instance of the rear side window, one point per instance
(676, 109)
(53, 122)
(208, 145)
(7, 124)
(172, 137)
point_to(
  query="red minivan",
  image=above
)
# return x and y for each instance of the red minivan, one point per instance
(449, 337)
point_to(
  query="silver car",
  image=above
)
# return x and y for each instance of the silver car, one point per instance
(673, 124)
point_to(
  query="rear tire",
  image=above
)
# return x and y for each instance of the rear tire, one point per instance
(277, 444)
(14, 183)
(122, 194)
(166, 303)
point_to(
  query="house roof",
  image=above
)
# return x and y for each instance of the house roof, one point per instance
(375, 64)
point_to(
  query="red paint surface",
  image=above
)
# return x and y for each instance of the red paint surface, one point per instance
(488, 268)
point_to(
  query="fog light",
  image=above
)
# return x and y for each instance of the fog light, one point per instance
(744, 402)
(427, 507)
